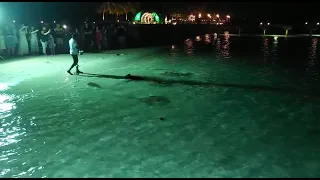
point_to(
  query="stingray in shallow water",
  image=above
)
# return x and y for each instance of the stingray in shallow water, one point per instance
(94, 85)
(154, 100)
(129, 76)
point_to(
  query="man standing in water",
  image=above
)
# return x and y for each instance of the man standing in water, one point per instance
(74, 51)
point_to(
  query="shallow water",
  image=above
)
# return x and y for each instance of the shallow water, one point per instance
(224, 107)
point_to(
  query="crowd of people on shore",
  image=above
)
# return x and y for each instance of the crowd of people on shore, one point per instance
(52, 39)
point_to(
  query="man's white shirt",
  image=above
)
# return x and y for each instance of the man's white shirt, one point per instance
(73, 47)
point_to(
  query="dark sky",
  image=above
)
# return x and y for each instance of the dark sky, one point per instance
(77, 11)
(47, 11)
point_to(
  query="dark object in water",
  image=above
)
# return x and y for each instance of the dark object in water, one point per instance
(119, 54)
(180, 74)
(154, 100)
(161, 118)
(140, 78)
(129, 76)
(94, 85)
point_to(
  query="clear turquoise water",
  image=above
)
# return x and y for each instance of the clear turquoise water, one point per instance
(233, 107)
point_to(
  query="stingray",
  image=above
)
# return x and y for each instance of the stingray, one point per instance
(94, 85)
(129, 76)
(154, 100)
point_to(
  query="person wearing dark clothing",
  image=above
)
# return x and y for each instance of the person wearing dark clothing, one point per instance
(81, 38)
(103, 37)
(121, 33)
(44, 37)
(111, 36)
(59, 36)
(28, 35)
(88, 39)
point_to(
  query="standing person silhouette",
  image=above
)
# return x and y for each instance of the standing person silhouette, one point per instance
(44, 36)
(74, 52)
(88, 39)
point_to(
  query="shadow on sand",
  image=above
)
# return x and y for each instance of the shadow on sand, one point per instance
(287, 90)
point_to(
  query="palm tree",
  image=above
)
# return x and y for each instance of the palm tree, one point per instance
(106, 7)
(129, 7)
(264, 28)
(133, 7)
(287, 28)
(110, 8)
(118, 8)
(126, 9)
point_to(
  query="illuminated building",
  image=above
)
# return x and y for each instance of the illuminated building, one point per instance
(147, 18)
(199, 18)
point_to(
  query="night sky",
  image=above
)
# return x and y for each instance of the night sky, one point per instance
(276, 12)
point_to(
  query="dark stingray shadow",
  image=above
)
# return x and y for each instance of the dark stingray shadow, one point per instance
(287, 90)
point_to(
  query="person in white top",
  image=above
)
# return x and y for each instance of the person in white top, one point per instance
(34, 43)
(23, 48)
(74, 51)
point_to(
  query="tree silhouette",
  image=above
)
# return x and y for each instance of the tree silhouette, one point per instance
(287, 28)
(117, 8)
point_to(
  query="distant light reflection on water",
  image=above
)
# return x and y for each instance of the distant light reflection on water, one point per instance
(225, 50)
(189, 47)
(313, 60)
